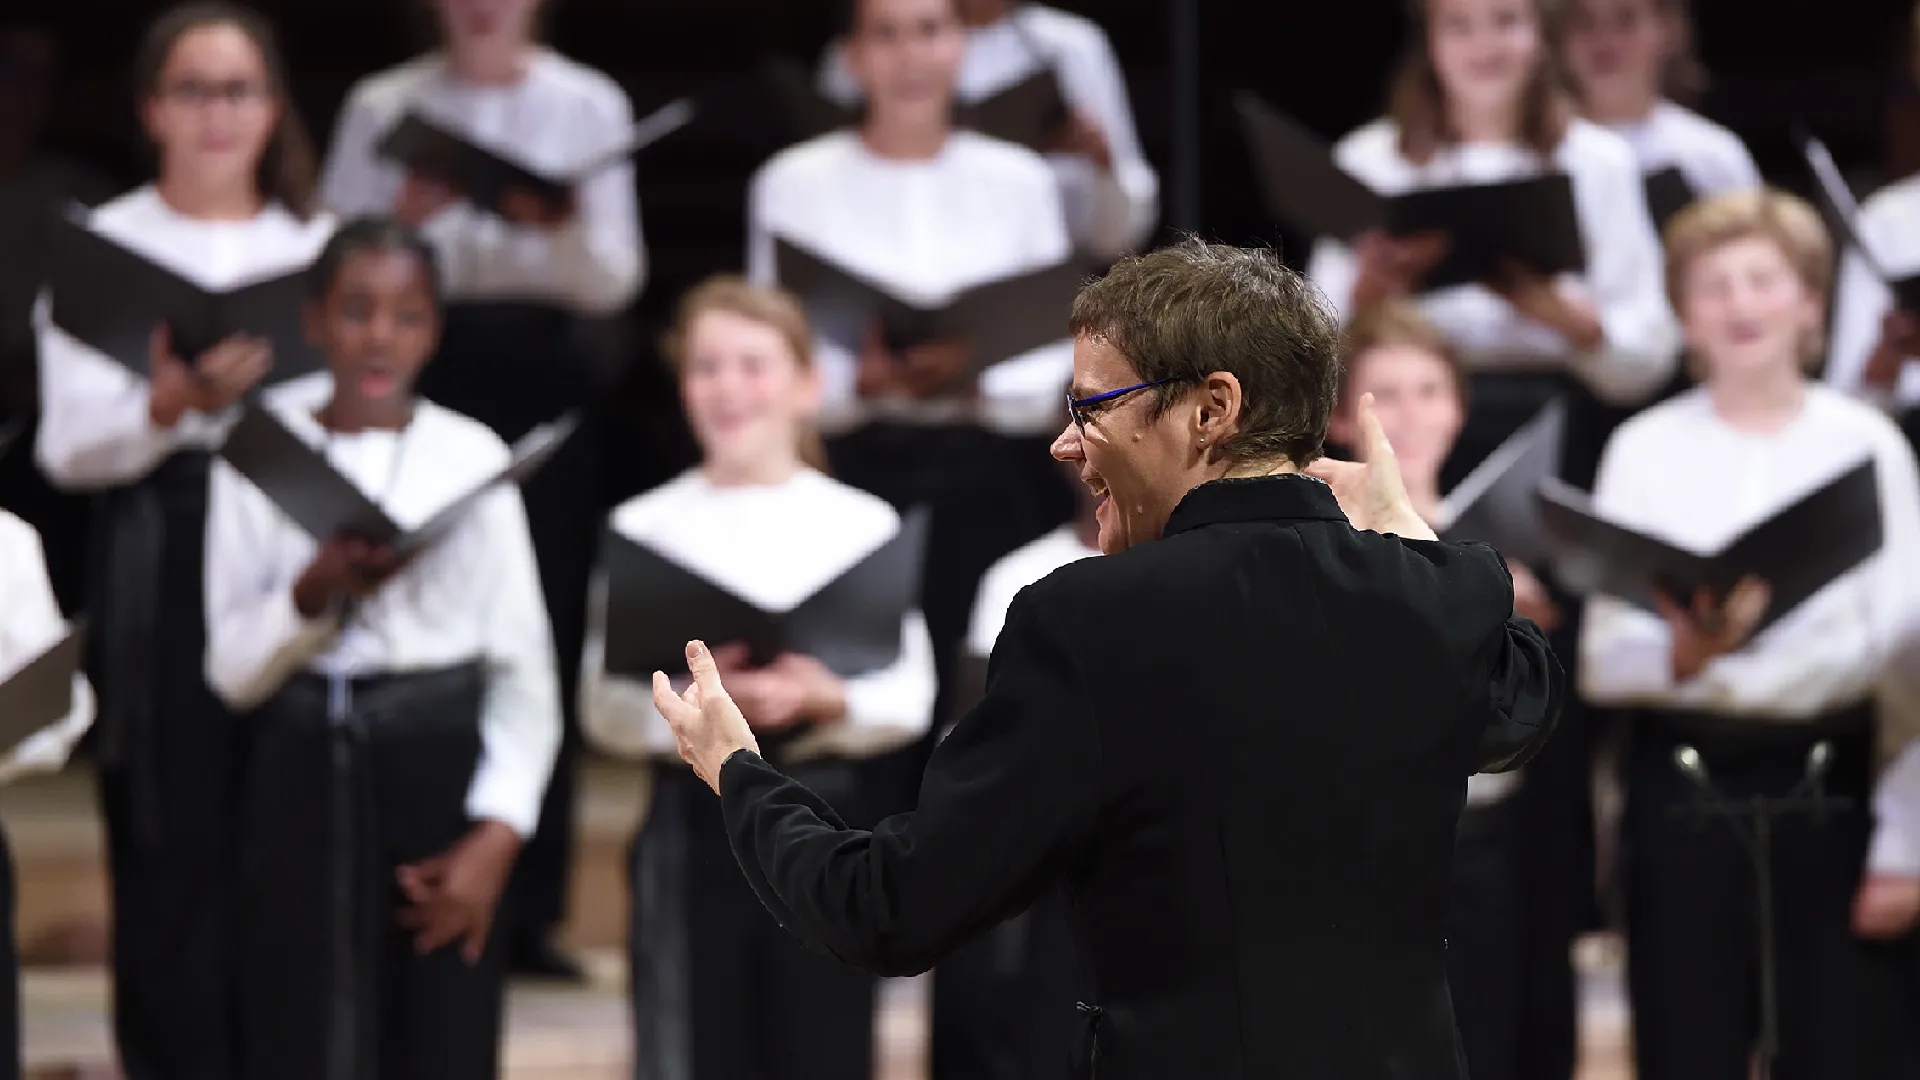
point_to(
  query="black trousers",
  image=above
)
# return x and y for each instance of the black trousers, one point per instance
(335, 801)
(10, 1063)
(1004, 1005)
(1487, 939)
(512, 367)
(989, 494)
(1846, 1007)
(170, 757)
(720, 991)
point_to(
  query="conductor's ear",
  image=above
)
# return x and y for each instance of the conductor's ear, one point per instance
(1221, 403)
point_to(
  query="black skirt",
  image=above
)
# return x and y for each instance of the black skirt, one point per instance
(348, 780)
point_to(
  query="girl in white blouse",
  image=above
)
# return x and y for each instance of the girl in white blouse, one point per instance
(1111, 193)
(404, 712)
(512, 355)
(760, 521)
(1748, 273)
(30, 623)
(232, 203)
(1632, 64)
(1477, 102)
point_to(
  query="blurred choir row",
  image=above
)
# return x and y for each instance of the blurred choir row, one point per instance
(343, 663)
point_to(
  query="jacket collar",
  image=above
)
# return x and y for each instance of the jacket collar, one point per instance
(1287, 497)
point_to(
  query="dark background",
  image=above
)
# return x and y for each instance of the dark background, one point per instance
(1840, 66)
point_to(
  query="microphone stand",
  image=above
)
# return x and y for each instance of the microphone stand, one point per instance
(1751, 820)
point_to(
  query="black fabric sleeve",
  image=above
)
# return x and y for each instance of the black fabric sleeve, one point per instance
(1008, 798)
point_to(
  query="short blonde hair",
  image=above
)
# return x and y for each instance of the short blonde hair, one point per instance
(1789, 222)
(1396, 324)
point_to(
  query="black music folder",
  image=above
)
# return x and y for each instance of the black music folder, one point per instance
(1031, 112)
(1532, 222)
(1668, 193)
(39, 693)
(1842, 213)
(305, 486)
(1498, 503)
(485, 176)
(1797, 551)
(852, 625)
(112, 298)
(999, 319)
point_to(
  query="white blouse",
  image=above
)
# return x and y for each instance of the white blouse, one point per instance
(95, 430)
(1014, 572)
(560, 116)
(1679, 472)
(1108, 212)
(1624, 262)
(772, 546)
(980, 209)
(473, 595)
(30, 624)
(1712, 159)
(1889, 224)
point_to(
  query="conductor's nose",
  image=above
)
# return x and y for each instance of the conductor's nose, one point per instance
(1067, 446)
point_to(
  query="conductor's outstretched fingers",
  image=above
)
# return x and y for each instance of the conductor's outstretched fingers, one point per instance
(706, 723)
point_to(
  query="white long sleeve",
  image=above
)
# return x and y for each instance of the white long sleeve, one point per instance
(925, 230)
(95, 429)
(773, 546)
(473, 596)
(30, 623)
(1889, 224)
(1711, 158)
(559, 117)
(1624, 275)
(1677, 472)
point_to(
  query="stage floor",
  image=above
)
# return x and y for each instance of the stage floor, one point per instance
(553, 1033)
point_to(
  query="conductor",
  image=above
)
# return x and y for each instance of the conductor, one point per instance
(1241, 741)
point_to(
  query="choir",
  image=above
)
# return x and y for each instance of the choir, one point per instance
(337, 766)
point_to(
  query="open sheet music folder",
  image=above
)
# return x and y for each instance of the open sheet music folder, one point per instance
(112, 298)
(1499, 503)
(1531, 222)
(306, 487)
(1031, 112)
(39, 693)
(1668, 193)
(484, 176)
(1797, 551)
(998, 319)
(1842, 214)
(852, 624)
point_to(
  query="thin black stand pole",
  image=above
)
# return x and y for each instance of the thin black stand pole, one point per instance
(1751, 820)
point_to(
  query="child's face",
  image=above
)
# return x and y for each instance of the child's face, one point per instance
(1746, 311)
(1484, 51)
(1618, 43)
(1417, 400)
(488, 22)
(906, 54)
(213, 108)
(377, 324)
(747, 395)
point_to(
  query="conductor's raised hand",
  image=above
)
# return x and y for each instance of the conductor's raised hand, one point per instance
(1370, 491)
(707, 724)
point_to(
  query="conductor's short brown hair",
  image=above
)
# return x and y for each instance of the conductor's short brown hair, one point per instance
(1184, 312)
(1397, 324)
(1789, 222)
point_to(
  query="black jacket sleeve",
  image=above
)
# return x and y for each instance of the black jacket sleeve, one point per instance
(1009, 796)
(1524, 695)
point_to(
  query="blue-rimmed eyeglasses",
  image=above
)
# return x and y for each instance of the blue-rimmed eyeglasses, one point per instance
(1080, 408)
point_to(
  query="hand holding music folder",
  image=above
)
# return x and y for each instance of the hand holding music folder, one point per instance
(1532, 222)
(851, 625)
(308, 489)
(112, 298)
(1498, 503)
(997, 319)
(485, 177)
(39, 693)
(1668, 193)
(1797, 551)
(1843, 216)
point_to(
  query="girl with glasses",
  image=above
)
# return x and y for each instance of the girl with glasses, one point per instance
(758, 518)
(232, 203)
